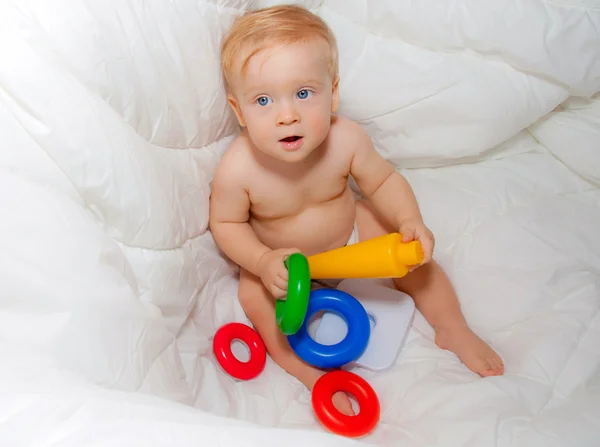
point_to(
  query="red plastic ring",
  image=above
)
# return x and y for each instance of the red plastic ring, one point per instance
(232, 366)
(351, 426)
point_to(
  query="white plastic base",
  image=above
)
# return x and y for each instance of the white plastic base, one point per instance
(391, 313)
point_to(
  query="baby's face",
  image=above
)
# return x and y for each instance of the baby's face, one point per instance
(285, 99)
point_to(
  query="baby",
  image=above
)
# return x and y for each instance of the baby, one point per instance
(282, 186)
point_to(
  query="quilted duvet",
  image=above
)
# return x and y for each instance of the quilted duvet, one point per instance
(112, 119)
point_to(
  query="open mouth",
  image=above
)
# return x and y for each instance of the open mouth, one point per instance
(290, 139)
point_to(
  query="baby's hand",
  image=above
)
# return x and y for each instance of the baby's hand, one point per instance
(273, 272)
(415, 229)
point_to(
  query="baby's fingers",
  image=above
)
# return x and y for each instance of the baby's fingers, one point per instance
(278, 292)
(427, 247)
(408, 234)
(289, 251)
(426, 253)
(281, 283)
(286, 254)
(283, 274)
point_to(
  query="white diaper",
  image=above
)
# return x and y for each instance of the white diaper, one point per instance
(354, 236)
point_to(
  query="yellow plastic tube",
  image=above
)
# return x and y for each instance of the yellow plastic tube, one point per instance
(381, 257)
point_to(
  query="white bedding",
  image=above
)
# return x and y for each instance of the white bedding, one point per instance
(112, 119)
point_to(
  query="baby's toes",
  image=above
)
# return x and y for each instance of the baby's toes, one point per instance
(342, 403)
(498, 363)
(496, 367)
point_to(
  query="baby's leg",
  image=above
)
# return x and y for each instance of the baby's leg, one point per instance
(259, 306)
(435, 298)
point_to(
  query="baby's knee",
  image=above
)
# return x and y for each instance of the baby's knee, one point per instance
(244, 292)
(251, 293)
(244, 299)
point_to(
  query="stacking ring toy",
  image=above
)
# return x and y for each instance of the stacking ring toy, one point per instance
(347, 350)
(232, 366)
(351, 426)
(290, 313)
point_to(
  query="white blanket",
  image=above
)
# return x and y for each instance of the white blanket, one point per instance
(112, 119)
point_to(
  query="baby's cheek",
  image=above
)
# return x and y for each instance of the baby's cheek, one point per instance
(256, 128)
(321, 125)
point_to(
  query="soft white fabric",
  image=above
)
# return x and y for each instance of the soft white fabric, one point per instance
(112, 119)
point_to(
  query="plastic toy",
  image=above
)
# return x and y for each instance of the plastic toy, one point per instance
(381, 257)
(351, 426)
(391, 312)
(230, 364)
(290, 313)
(347, 350)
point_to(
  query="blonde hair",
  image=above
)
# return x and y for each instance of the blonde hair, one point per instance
(267, 27)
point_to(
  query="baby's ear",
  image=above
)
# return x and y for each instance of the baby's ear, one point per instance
(236, 108)
(335, 97)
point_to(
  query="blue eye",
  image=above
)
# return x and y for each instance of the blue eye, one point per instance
(303, 94)
(263, 101)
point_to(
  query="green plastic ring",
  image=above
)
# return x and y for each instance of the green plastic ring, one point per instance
(290, 313)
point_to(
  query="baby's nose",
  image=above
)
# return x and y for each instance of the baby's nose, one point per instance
(287, 117)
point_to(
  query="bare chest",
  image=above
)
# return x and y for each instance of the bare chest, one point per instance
(275, 196)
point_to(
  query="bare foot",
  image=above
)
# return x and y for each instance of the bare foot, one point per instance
(309, 376)
(476, 354)
(342, 403)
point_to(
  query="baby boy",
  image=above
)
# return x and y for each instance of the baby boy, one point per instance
(282, 186)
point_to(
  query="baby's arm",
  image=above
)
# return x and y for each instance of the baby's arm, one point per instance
(229, 214)
(388, 190)
(380, 182)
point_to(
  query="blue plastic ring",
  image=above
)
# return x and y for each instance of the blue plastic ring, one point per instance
(347, 350)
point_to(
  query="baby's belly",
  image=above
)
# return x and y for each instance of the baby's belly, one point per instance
(316, 229)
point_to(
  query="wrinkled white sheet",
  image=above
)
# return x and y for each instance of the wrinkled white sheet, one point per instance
(112, 120)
